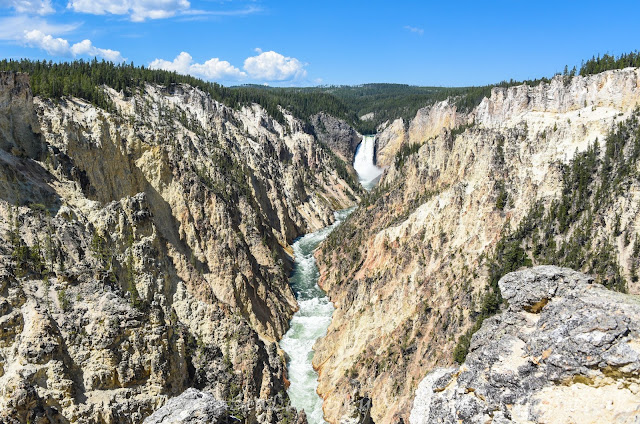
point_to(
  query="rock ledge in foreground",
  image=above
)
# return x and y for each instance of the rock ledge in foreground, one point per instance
(564, 351)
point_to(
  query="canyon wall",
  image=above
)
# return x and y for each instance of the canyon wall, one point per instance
(145, 250)
(464, 196)
(336, 134)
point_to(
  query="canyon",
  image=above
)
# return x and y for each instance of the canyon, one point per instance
(149, 251)
(158, 258)
(408, 271)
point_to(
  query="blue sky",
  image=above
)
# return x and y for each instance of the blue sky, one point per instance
(329, 42)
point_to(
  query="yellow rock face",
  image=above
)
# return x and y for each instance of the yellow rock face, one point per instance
(158, 240)
(405, 271)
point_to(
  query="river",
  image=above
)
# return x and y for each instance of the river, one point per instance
(309, 323)
(313, 318)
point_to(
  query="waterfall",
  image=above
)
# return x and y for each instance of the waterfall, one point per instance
(364, 162)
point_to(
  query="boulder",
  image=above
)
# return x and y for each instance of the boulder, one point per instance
(191, 407)
(565, 350)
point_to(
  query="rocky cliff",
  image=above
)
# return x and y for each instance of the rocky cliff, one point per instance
(336, 134)
(565, 350)
(428, 123)
(145, 250)
(467, 197)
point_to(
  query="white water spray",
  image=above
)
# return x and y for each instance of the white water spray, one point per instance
(364, 164)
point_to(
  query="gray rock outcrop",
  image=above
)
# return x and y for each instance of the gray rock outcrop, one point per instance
(337, 134)
(564, 351)
(191, 407)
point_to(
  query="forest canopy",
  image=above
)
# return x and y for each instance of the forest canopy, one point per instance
(84, 79)
(364, 107)
(607, 62)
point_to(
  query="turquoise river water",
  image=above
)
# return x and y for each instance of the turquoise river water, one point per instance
(313, 318)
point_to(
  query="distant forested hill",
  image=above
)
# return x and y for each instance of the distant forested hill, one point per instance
(388, 102)
(385, 101)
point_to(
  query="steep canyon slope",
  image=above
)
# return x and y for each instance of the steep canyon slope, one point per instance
(543, 174)
(147, 250)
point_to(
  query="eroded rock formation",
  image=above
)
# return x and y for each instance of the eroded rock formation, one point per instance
(145, 250)
(407, 271)
(565, 350)
(336, 134)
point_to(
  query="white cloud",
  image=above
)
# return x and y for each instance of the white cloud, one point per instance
(61, 47)
(180, 64)
(212, 69)
(138, 10)
(21, 29)
(415, 30)
(53, 46)
(272, 66)
(100, 7)
(38, 7)
(199, 14)
(83, 47)
(217, 69)
(86, 48)
(266, 66)
(13, 28)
